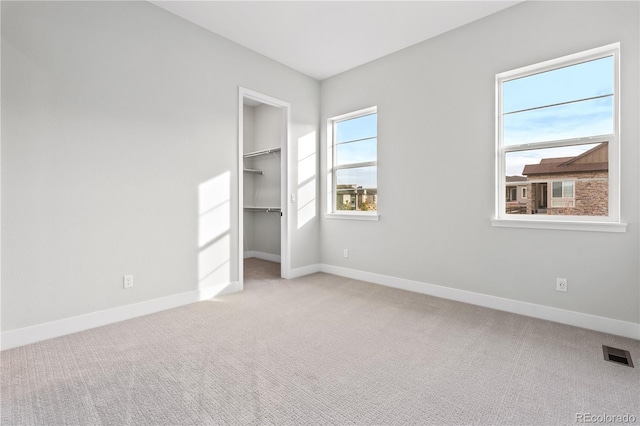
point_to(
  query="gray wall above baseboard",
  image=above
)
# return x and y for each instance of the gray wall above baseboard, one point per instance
(436, 150)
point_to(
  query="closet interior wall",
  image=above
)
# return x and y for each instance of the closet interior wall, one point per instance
(262, 131)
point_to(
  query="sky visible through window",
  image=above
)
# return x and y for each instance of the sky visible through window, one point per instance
(565, 103)
(356, 142)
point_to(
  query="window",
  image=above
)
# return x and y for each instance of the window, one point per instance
(354, 162)
(562, 194)
(557, 136)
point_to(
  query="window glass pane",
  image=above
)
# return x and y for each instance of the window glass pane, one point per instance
(357, 152)
(580, 119)
(357, 128)
(356, 189)
(567, 189)
(580, 81)
(516, 161)
(572, 180)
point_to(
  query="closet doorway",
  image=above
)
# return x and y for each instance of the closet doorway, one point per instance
(263, 127)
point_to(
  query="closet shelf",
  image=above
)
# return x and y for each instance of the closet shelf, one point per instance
(253, 171)
(262, 152)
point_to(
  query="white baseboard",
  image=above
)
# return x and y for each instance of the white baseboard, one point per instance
(305, 270)
(24, 336)
(578, 319)
(262, 255)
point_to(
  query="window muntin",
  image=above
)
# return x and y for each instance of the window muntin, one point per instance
(561, 111)
(355, 161)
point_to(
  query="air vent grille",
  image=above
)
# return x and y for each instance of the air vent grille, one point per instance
(619, 356)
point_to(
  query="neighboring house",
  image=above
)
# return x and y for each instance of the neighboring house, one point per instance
(516, 196)
(354, 197)
(570, 185)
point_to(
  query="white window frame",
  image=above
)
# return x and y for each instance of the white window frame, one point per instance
(609, 223)
(524, 193)
(332, 212)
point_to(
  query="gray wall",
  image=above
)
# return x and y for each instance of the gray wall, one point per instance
(436, 143)
(118, 120)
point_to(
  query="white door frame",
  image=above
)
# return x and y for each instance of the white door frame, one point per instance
(285, 242)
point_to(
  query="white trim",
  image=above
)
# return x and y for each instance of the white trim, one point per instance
(331, 141)
(568, 60)
(614, 141)
(304, 270)
(532, 146)
(24, 336)
(355, 114)
(285, 181)
(353, 216)
(564, 225)
(262, 255)
(577, 319)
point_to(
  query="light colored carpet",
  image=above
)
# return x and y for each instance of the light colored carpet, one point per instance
(319, 350)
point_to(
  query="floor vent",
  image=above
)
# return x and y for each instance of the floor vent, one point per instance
(619, 356)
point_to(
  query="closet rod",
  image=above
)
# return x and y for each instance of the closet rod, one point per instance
(264, 209)
(262, 152)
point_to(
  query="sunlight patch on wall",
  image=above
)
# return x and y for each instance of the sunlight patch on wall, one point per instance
(306, 202)
(307, 168)
(214, 263)
(214, 241)
(214, 208)
(306, 157)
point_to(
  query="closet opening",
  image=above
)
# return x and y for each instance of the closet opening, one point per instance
(262, 183)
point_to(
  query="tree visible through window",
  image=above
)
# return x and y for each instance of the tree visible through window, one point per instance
(557, 137)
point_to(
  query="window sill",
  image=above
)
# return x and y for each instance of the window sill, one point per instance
(561, 225)
(353, 216)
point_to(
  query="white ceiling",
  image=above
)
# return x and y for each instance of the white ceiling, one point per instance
(324, 38)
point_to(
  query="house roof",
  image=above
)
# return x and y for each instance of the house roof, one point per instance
(550, 168)
(516, 179)
(593, 160)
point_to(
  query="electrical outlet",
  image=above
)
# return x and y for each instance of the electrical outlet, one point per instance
(128, 281)
(561, 284)
(346, 252)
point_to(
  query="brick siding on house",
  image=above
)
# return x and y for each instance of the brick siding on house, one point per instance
(591, 196)
(531, 199)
